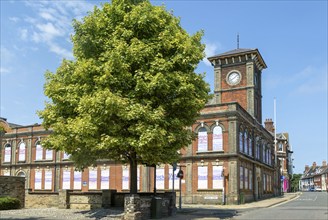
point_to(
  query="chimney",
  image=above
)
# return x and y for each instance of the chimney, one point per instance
(307, 168)
(314, 165)
(324, 163)
(269, 125)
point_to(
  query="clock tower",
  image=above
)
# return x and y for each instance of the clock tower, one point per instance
(237, 78)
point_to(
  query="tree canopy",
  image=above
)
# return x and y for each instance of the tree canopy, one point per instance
(131, 93)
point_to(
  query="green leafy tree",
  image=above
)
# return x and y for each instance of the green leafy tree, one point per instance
(131, 92)
(295, 182)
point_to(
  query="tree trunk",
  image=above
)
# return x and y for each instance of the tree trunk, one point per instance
(133, 175)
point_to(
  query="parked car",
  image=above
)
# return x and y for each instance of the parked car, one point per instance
(318, 189)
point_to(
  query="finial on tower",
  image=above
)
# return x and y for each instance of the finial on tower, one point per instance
(237, 40)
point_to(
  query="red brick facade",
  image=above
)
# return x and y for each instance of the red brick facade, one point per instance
(230, 162)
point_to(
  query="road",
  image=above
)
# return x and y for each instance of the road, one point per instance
(310, 205)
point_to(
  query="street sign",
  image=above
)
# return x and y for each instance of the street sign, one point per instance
(180, 174)
(174, 165)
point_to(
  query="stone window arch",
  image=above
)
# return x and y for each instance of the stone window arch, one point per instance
(22, 151)
(202, 139)
(7, 153)
(217, 138)
(241, 139)
(38, 150)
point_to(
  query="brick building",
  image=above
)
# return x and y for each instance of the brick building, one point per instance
(230, 162)
(315, 178)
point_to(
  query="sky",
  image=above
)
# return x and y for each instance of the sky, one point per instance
(290, 35)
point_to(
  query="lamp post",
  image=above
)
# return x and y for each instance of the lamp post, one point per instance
(180, 176)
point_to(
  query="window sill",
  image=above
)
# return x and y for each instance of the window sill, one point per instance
(44, 160)
(209, 152)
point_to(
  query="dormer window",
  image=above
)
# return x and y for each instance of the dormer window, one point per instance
(280, 147)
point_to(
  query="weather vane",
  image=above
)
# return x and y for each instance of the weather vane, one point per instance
(237, 40)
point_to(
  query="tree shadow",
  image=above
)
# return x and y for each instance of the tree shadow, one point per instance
(102, 213)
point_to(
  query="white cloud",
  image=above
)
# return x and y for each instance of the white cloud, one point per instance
(6, 55)
(210, 50)
(23, 34)
(312, 81)
(47, 16)
(52, 23)
(48, 31)
(61, 51)
(14, 19)
(4, 70)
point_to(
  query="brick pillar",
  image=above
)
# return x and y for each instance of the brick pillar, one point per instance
(132, 207)
(63, 199)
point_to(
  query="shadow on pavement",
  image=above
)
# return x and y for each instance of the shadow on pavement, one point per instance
(101, 213)
(204, 213)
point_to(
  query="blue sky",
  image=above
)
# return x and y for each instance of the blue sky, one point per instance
(290, 35)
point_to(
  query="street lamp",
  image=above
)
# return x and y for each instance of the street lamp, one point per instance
(180, 176)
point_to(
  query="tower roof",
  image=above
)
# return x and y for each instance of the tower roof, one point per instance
(241, 52)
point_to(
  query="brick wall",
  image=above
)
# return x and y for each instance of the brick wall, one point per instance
(13, 186)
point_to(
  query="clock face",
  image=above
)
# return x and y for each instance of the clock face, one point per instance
(234, 78)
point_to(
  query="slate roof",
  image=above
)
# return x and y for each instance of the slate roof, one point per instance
(235, 51)
(314, 171)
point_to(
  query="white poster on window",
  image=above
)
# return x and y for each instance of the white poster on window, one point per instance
(48, 179)
(176, 179)
(39, 152)
(22, 149)
(37, 180)
(125, 178)
(104, 182)
(7, 154)
(6, 173)
(77, 179)
(66, 179)
(246, 178)
(202, 177)
(49, 154)
(65, 156)
(241, 177)
(93, 178)
(160, 178)
(217, 139)
(250, 179)
(202, 141)
(138, 178)
(217, 177)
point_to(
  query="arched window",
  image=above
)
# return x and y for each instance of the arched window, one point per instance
(21, 174)
(38, 151)
(257, 148)
(246, 142)
(263, 152)
(280, 147)
(250, 145)
(7, 157)
(22, 152)
(241, 140)
(202, 139)
(217, 139)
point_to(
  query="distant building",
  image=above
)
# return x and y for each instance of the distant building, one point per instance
(315, 178)
(231, 161)
(284, 153)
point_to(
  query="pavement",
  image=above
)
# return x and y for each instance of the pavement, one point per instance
(210, 212)
(188, 211)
